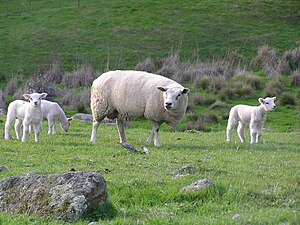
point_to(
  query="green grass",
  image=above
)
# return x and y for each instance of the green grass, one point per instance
(119, 34)
(258, 182)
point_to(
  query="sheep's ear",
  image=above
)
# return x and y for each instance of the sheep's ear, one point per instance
(43, 95)
(70, 119)
(162, 88)
(185, 91)
(261, 100)
(274, 98)
(27, 96)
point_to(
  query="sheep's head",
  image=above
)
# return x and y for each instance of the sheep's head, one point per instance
(174, 97)
(65, 126)
(268, 103)
(35, 98)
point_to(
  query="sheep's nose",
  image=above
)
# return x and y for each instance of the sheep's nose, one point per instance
(168, 105)
(35, 103)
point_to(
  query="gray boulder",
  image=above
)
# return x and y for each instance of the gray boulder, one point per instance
(68, 197)
(198, 185)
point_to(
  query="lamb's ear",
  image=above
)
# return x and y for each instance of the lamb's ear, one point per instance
(27, 96)
(274, 98)
(43, 95)
(70, 119)
(162, 88)
(185, 91)
(261, 100)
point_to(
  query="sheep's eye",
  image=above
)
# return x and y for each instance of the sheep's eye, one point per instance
(267, 103)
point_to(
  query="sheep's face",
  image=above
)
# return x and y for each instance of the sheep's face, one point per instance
(35, 98)
(268, 103)
(65, 126)
(174, 97)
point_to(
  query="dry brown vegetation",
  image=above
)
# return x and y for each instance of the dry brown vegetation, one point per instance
(223, 79)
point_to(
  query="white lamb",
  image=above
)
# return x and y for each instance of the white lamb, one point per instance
(26, 113)
(129, 95)
(54, 113)
(254, 116)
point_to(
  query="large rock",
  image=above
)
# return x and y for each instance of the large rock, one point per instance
(67, 197)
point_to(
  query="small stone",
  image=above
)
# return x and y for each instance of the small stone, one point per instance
(236, 216)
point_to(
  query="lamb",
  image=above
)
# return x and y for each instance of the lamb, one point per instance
(254, 116)
(129, 95)
(26, 113)
(53, 113)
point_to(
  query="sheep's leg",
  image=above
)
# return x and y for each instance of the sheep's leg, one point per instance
(259, 136)
(8, 123)
(253, 133)
(241, 132)
(25, 131)
(37, 129)
(120, 124)
(18, 124)
(51, 125)
(94, 131)
(230, 126)
(154, 134)
(150, 139)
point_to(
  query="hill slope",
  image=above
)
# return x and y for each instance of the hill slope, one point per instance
(119, 34)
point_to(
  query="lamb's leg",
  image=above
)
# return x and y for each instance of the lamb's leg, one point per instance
(253, 133)
(259, 136)
(51, 125)
(154, 134)
(120, 124)
(25, 131)
(37, 129)
(241, 132)
(8, 123)
(230, 126)
(18, 124)
(150, 139)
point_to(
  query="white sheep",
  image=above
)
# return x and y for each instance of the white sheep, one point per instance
(26, 113)
(254, 116)
(129, 95)
(54, 113)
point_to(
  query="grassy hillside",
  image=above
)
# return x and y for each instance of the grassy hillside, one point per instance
(260, 183)
(119, 34)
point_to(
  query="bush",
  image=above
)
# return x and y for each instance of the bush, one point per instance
(147, 65)
(236, 90)
(295, 78)
(274, 88)
(12, 86)
(255, 82)
(82, 77)
(287, 99)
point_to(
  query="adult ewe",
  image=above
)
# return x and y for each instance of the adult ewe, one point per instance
(254, 116)
(129, 95)
(28, 113)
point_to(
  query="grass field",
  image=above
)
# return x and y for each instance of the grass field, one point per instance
(119, 34)
(258, 182)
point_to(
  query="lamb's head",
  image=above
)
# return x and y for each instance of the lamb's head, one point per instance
(268, 103)
(65, 126)
(174, 97)
(35, 98)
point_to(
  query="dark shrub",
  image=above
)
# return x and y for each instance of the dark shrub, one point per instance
(147, 65)
(82, 77)
(255, 82)
(295, 78)
(12, 86)
(287, 99)
(274, 88)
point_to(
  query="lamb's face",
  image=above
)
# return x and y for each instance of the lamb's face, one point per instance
(65, 126)
(269, 103)
(174, 97)
(35, 98)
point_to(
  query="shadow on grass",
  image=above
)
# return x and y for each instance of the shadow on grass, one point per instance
(103, 212)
